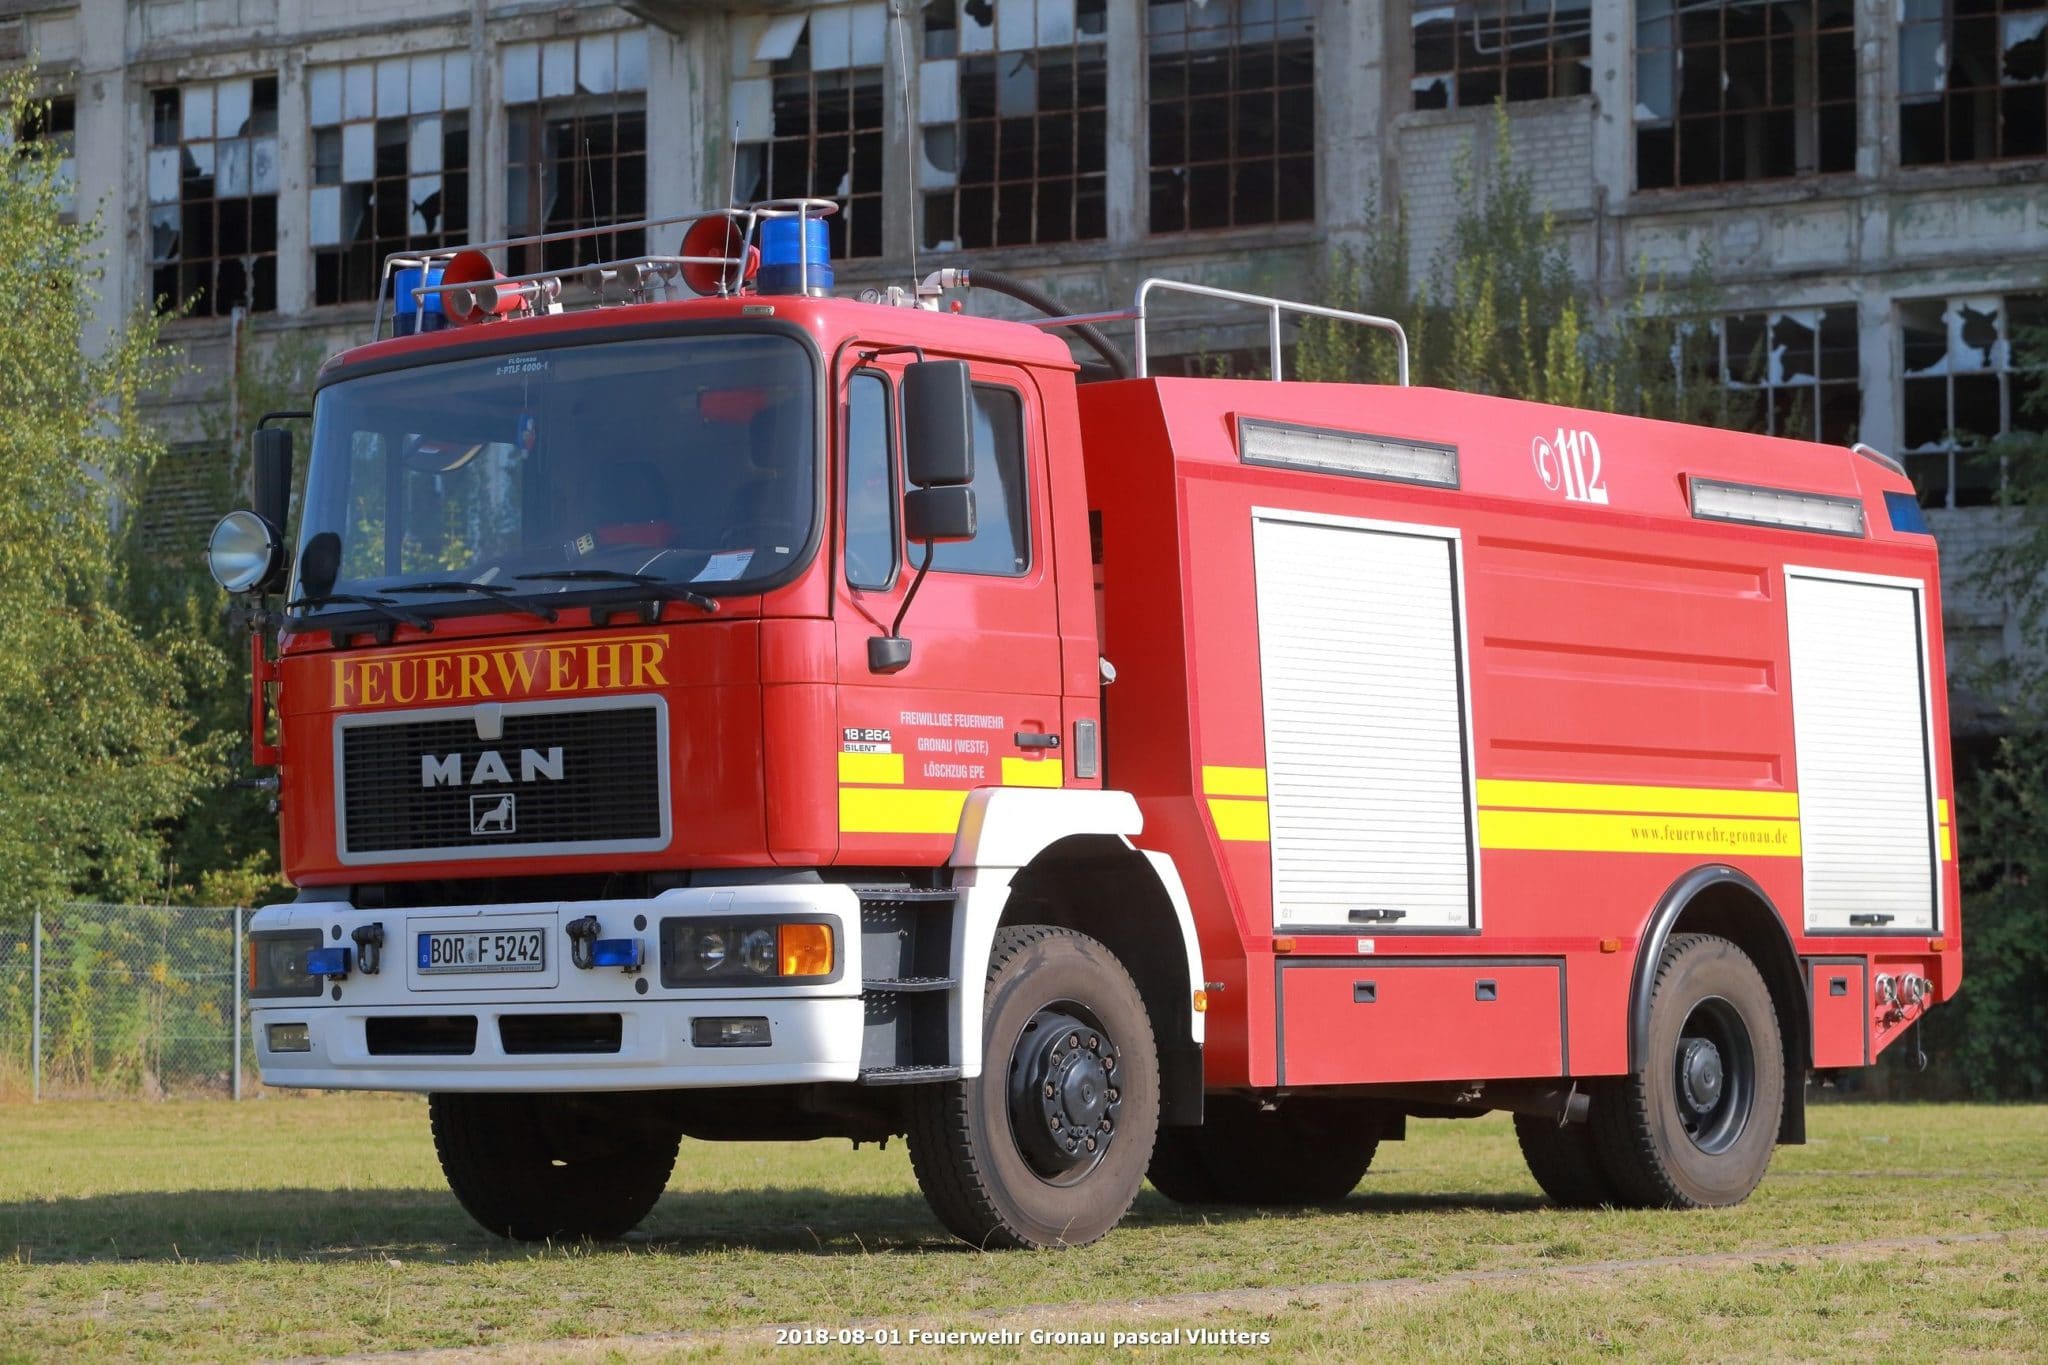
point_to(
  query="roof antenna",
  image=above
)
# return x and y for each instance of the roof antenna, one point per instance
(901, 21)
(732, 201)
(590, 196)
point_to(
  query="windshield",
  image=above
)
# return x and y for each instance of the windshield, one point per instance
(687, 459)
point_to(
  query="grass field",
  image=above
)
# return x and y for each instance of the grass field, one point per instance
(308, 1226)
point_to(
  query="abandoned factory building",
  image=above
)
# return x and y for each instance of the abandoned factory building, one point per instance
(1868, 177)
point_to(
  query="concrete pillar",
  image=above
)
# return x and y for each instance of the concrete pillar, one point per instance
(1614, 103)
(1354, 124)
(1129, 178)
(112, 142)
(685, 91)
(294, 185)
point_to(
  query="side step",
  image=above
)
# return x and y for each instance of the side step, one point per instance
(906, 945)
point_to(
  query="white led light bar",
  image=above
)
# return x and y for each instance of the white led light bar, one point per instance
(1323, 451)
(1753, 506)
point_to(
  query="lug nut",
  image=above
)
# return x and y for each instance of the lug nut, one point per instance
(1073, 1040)
(1090, 1144)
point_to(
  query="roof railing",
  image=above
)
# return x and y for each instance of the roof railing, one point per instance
(1275, 307)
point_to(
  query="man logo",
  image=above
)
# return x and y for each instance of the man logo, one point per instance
(492, 815)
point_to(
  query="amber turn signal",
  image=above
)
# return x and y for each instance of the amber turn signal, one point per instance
(805, 949)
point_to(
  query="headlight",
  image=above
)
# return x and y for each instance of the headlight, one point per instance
(277, 964)
(245, 551)
(708, 952)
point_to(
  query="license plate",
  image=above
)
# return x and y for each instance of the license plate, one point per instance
(484, 950)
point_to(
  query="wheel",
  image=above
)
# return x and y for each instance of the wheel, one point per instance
(1564, 1162)
(554, 1167)
(1047, 1146)
(1307, 1151)
(1695, 1127)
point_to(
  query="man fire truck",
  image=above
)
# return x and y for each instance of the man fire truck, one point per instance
(705, 706)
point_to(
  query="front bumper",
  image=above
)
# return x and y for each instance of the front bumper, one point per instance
(814, 1029)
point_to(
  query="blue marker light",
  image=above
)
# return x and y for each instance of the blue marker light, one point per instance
(793, 249)
(615, 952)
(417, 314)
(327, 962)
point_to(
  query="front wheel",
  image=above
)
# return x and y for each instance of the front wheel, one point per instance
(555, 1167)
(1695, 1126)
(1047, 1146)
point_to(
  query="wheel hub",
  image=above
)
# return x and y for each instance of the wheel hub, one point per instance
(1699, 1072)
(1064, 1100)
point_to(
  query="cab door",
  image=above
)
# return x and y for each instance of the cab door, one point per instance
(978, 705)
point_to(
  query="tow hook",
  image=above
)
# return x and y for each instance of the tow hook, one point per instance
(369, 939)
(587, 950)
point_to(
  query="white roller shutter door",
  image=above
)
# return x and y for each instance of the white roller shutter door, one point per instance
(1859, 715)
(1365, 724)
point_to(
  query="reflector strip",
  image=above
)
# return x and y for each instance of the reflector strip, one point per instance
(871, 768)
(1322, 450)
(1583, 832)
(1753, 505)
(1240, 821)
(1217, 781)
(899, 810)
(1034, 772)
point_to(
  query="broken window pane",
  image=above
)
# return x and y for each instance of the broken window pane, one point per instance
(812, 124)
(1735, 90)
(396, 182)
(1232, 113)
(1015, 132)
(212, 191)
(1963, 386)
(1793, 373)
(1973, 81)
(1472, 52)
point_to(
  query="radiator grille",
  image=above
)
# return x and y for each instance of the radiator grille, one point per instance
(608, 790)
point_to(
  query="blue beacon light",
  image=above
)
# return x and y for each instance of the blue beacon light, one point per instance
(794, 251)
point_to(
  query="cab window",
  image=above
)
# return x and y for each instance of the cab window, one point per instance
(1002, 542)
(870, 484)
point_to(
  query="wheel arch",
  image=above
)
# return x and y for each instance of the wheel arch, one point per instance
(1132, 903)
(1725, 901)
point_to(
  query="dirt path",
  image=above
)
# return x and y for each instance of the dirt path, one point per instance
(1128, 1314)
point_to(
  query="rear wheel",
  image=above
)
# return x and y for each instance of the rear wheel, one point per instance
(1694, 1128)
(1047, 1146)
(1306, 1151)
(555, 1167)
(1562, 1158)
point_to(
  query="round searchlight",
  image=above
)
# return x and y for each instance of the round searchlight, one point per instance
(244, 551)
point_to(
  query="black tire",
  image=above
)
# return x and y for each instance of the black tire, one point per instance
(1563, 1160)
(1061, 1014)
(1306, 1151)
(1695, 1127)
(554, 1167)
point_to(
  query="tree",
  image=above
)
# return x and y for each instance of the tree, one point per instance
(1500, 311)
(1992, 1032)
(96, 755)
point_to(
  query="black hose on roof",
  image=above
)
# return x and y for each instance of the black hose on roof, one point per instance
(1119, 364)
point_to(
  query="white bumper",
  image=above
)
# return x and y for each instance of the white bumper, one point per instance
(814, 1029)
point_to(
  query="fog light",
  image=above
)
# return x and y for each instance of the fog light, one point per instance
(746, 1031)
(290, 1038)
(805, 949)
(711, 950)
(616, 952)
(277, 963)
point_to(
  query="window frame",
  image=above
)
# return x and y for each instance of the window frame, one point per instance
(893, 457)
(1030, 506)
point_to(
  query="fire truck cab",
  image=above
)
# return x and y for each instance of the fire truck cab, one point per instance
(771, 715)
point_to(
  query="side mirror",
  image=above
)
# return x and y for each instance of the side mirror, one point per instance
(270, 462)
(938, 514)
(320, 564)
(938, 424)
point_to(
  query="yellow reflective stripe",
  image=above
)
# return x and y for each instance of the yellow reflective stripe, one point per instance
(1034, 772)
(1569, 832)
(1941, 810)
(1597, 796)
(1218, 781)
(1240, 821)
(871, 768)
(1948, 845)
(899, 810)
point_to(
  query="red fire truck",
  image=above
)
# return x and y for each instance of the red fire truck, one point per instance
(706, 706)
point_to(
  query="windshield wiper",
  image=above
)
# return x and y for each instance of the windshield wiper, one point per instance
(497, 591)
(660, 587)
(383, 606)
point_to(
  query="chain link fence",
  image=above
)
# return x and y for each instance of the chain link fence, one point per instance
(123, 1000)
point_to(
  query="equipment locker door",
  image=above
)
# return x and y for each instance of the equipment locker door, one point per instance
(980, 703)
(1863, 746)
(1361, 660)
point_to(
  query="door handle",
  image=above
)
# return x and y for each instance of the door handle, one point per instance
(1377, 915)
(1036, 739)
